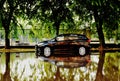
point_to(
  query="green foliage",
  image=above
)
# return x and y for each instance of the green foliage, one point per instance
(53, 11)
(41, 30)
(54, 16)
(107, 10)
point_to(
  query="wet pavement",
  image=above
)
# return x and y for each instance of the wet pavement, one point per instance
(104, 66)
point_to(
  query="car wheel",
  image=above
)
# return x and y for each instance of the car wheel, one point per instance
(82, 51)
(47, 51)
(36, 51)
(39, 52)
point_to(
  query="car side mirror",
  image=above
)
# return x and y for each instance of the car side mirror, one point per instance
(55, 39)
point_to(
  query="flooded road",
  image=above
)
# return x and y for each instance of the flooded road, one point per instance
(26, 67)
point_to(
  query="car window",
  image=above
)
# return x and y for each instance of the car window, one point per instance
(82, 37)
(60, 38)
(64, 38)
(71, 37)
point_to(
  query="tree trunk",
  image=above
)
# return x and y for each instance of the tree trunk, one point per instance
(100, 33)
(6, 24)
(57, 31)
(99, 23)
(7, 40)
(57, 26)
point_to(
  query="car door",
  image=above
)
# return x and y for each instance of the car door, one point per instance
(61, 46)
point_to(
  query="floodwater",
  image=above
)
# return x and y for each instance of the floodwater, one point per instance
(26, 67)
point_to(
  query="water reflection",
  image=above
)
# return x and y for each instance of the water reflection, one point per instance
(68, 62)
(26, 67)
(108, 67)
(6, 76)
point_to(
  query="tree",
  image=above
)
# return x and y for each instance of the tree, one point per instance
(112, 18)
(51, 11)
(40, 30)
(54, 11)
(102, 11)
(9, 10)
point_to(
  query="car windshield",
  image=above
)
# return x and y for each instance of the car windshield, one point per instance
(62, 38)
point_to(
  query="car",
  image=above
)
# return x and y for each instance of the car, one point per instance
(64, 44)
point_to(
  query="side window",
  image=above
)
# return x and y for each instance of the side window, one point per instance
(73, 38)
(61, 38)
(82, 37)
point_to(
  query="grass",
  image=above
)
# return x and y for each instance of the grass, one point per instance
(17, 50)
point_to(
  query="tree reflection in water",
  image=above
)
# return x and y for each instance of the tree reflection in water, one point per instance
(99, 74)
(112, 67)
(108, 67)
(25, 67)
(6, 76)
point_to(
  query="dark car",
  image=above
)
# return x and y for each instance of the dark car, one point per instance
(64, 44)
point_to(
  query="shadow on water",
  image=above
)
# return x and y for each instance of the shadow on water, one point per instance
(25, 67)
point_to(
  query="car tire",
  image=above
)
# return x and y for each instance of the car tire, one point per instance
(39, 52)
(36, 51)
(82, 51)
(47, 51)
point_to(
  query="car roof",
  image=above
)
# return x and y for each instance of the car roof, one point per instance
(71, 35)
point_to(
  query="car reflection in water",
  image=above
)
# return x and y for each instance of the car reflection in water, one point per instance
(68, 62)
